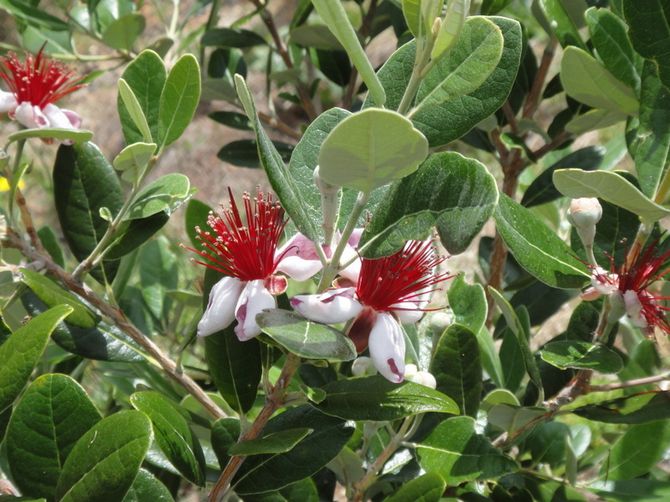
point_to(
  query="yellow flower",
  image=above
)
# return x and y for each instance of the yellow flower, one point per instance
(4, 184)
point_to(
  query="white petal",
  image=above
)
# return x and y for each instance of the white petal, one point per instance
(407, 312)
(30, 116)
(73, 117)
(220, 310)
(7, 102)
(56, 117)
(387, 348)
(353, 270)
(253, 300)
(634, 309)
(425, 378)
(362, 366)
(355, 237)
(332, 307)
(298, 258)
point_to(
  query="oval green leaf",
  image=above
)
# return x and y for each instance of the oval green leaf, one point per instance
(165, 194)
(579, 354)
(146, 487)
(426, 488)
(74, 135)
(178, 100)
(276, 442)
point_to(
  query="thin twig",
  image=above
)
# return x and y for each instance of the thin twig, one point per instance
(533, 99)
(630, 383)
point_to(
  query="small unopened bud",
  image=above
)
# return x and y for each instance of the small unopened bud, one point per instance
(410, 371)
(584, 214)
(362, 366)
(440, 321)
(422, 378)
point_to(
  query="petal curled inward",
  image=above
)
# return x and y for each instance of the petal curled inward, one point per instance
(332, 307)
(57, 117)
(297, 258)
(387, 348)
(30, 116)
(220, 311)
(253, 300)
(8, 102)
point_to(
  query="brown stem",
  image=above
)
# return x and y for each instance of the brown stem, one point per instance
(279, 125)
(119, 319)
(269, 22)
(630, 383)
(558, 141)
(272, 402)
(534, 96)
(27, 220)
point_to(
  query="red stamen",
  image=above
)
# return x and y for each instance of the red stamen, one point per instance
(37, 80)
(239, 249)
(406, 276)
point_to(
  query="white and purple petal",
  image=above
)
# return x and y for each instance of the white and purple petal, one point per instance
(30, 116)
(298, 258)
(255, 298)
(387, 347)
(220, 311)
(332, 307)
(8, 102)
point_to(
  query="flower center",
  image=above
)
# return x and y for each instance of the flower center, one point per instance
(37, 80)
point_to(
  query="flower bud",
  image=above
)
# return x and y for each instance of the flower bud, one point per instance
(362, 366)
(424, 378)
(440, 321)
(584, 213)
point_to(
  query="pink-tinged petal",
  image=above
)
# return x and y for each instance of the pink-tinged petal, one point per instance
(73, 117)
(253, 300)
(353, 270)
(30, 116)
(407, 312)
(298, 258)
(7, 102)
(355, 237)
(387, 348)
(332, 307)
(220, 311)
(634, 309)
(56, 117)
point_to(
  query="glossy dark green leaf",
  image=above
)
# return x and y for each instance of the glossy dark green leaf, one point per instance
(426, 488)
(307, 339)
(639, 490)
(457, 453)
(638, 450)
(547, 443)
(282, 183)
(634, 409)
(173, 434)
(562, 23)
(21, 352)
(146, 77)
(233, 120)
(277, 442)
(375, 398)
(244, 152)
(542, 189)
(51, 416)
(52, 294)
(146, 487)
(104, 342)
(179, 99)
(225, 433)
(537, 248)
(650, 33)
(454, 193)
(196, 216)
(31, 15)
(457, 368)
(490, 7)
(263, 473)
(105, 461)
(134, 233)
(581, 355)
(50, 242)
(231, 37)
(610, 39)
(650, 142)
(85, 182)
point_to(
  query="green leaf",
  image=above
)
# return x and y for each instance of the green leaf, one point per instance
(537, 248)
(276, 442)
(463, 69)
(650, 142)
(52, 294)
(134, 111)
(649, 32)
(634, 409)
(146, 76)
(104, 342)
(133, 233)
(371, 148)
(581, 355)
(264, 473)
(411, 10)
(231, 37)
(74, 135)
(84, 182)
(196, 215)
(51, 243)
(375, 398)
(165, 194)
(173, 434)
(146, 487)
(28, 13)
(454, 193)
(335, 17)
(561, 22)
(133, 161)
(490, 7)
(21, 352)
(233, 120)
(158, 274)
(594, 119)
(638, 450)
(611, 187)
(610, 39)
(457, 369)
(542, 189)
(225, 433)
(511, 418)
(179, 99)
(307, 339)
(426, 488)
(123, 32)
(54, 412)
(639, 490)
(315, 36)
(587, 81)
(455, 452)
(282, 183)
(450, 30)
(244, 152)
(105, 461)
